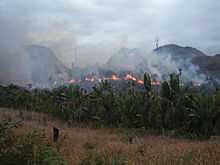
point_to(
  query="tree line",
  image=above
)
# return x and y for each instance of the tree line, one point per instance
(175, 108)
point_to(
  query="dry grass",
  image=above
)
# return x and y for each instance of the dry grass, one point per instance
(77, 142)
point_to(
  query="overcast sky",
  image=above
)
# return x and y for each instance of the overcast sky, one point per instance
(100, 27)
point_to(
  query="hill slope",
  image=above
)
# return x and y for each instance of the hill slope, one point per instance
(33, 64)
(209, 65)
(177, 51)
(43, 67)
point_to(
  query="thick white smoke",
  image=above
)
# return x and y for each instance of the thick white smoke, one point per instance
(163, 65)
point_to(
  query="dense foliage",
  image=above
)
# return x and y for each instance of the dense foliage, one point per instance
(173, 109)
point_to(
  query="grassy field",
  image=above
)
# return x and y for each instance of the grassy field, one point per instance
(80, 144)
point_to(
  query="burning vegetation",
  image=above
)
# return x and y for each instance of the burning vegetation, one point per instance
(114, 77)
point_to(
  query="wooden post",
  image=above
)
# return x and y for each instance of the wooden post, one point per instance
(55, 134)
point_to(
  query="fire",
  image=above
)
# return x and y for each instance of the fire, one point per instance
(140, 82)
(72, 81)
(130, 77)
(114, 77)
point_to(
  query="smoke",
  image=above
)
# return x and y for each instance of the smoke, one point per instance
(16, 32)
(23, 23)
(159, 65)
(13, 36)
(162, 65)
(96, 31)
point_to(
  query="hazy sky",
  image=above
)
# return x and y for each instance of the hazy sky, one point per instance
(100, 27)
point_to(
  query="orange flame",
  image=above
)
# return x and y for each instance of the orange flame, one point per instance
(114, 77)
(130, 77)
(72, 81)
(140, 82)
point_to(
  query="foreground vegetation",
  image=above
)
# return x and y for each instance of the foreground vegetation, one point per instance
(176, 109)
(81, 145)
(25, 149)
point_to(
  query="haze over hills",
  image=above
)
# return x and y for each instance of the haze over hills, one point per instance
(208, 65)
(177, 51)
(36, 64)
(39, 65)
(10, 70)
(166, 59)
(43, 67)
(131, 59)
(128, 60)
